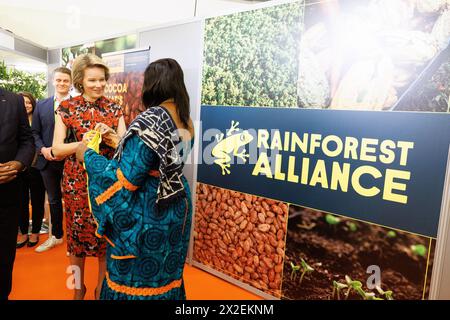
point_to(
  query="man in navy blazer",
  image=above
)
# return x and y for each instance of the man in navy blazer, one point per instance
(16, 153)
(51, 168)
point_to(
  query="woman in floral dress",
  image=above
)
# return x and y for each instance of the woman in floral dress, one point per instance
(76, 116)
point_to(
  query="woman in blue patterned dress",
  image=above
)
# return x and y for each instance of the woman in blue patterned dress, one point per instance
(140, 199)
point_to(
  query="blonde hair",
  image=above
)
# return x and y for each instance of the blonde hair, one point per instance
(81, 63)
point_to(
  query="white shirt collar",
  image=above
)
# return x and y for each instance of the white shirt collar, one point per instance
(64, 98)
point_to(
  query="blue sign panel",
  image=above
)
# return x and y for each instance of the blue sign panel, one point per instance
(386, 168)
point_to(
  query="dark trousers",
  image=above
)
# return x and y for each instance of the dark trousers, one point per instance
(8, 233)
(32, 184)
(52, 175)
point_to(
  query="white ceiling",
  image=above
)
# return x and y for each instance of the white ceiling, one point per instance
(60, 23)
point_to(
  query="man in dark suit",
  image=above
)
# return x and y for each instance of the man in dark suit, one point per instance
(16, 153)
(51, 168)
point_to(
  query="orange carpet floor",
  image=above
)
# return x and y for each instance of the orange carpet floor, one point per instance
(42, 276)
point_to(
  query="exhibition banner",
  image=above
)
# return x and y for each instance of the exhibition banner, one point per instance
(336, 193)
(311, 184)
(383, 167)
(126, 79)
(98, 48)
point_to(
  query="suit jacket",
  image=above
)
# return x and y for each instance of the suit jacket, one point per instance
(16, 141)
(43, 126)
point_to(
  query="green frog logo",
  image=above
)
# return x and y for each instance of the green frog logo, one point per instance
(228, 147)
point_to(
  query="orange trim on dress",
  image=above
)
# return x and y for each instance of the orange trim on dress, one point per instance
(154, 173)
(108, 240)
(122, 257)
(122, 182)
(148, 291)
(108, 193)
(125, 183)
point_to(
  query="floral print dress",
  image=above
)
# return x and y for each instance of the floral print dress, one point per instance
(80, 115)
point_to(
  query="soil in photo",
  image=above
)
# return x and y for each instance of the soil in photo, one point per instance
(331, 251)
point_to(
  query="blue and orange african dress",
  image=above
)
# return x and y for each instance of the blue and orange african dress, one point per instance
(148, 243)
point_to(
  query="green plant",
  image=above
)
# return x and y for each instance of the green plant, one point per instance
(370, 296)
(357, 286)
(353, 285)
(306, 269)
(295, 269)
(391, 234)
(352, 226)
(388, 294)
(419, 250)
(251, 58)
(337, 287)
(115, 44)
(16, 80)
(333, 220)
